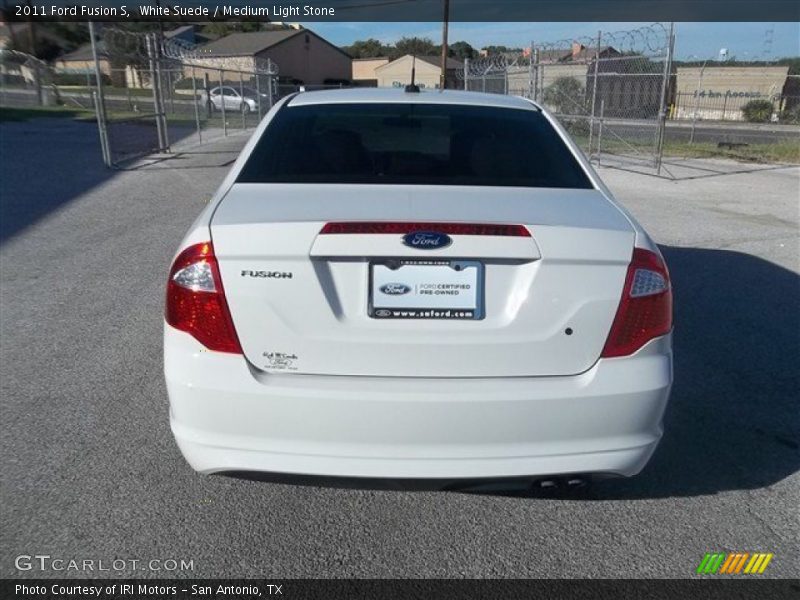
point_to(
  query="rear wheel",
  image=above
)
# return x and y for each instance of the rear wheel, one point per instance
(245, 108)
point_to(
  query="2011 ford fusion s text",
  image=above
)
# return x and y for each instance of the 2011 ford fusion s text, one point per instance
(423, 285)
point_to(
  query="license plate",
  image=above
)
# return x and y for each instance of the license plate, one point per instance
(429, 289)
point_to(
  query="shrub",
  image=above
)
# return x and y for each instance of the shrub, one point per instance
(757, 111)
(566, 95)
(791, 115)
(576, 127)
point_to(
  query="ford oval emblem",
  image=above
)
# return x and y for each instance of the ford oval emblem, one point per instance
(394, 289)
(427, 240)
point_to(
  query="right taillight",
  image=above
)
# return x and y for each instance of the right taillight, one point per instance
(196, 301)
(645, 310)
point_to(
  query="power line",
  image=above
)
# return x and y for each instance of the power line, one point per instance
(373, 4)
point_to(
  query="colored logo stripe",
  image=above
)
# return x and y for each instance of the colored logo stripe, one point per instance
(733, 563)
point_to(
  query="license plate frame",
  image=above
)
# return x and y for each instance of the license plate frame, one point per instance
(382, 310)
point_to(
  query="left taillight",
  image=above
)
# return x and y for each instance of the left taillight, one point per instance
(196, 300)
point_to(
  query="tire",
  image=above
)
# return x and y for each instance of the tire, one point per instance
(245, 108)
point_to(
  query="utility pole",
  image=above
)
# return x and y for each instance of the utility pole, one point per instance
(445, 20)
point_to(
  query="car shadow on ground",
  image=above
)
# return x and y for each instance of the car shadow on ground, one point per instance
(732, 422)
(49, 162)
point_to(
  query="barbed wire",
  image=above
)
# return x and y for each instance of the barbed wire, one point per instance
(137, 45)
(495, 64)
(649, 41)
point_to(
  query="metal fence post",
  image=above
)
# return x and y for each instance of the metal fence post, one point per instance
(600, 130)
(697, 92)
(171, 92)
(196, 108)
(154, 85)
(662, 110)
(530, 72)
(244, 104)
(99, 104)
(466, 74)
(258, 92)
(270, 83)
(162, 107)
(222, 104)
(594, 88)
(37, 81)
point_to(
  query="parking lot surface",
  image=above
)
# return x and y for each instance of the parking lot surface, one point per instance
(91, 471)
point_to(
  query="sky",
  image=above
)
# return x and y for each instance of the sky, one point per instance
(745, 41)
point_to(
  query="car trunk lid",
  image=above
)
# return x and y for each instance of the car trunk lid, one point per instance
(304, 301)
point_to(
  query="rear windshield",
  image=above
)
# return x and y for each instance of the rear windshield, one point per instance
(406, 143)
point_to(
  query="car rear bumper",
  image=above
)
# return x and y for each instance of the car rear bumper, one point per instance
(227, 416)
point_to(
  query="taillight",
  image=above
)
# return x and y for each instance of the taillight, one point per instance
(196, 301)
(645, 311)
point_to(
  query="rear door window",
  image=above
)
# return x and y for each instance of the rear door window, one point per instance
(404, 143)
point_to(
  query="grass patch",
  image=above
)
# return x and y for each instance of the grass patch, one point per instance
(8, 114)
(783, 151)
(778, 152)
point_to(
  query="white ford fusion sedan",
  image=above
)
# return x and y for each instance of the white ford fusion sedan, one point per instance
(433, 285)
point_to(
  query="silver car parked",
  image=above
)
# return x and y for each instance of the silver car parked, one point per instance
(236, 99)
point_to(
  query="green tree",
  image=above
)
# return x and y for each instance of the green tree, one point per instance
(249, 26)
(370, 48)
(217, 29)
(75, 34)
(416, 46)
(491, 50)
(461, 50)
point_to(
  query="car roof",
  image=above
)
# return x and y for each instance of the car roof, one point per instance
(399, 95)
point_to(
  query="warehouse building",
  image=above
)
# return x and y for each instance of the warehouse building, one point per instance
(428, 71)
(302, 56)
(720, 92)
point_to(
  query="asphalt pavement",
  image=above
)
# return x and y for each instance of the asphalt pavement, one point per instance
(90, 469)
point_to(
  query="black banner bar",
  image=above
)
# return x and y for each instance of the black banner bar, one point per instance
(405, 10)
(746, 587)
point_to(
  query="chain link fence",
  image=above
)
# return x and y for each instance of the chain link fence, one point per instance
(166, 93)
(610, 92)
(149, 94)
(618, 94)
(25, 80)
(628, 105)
